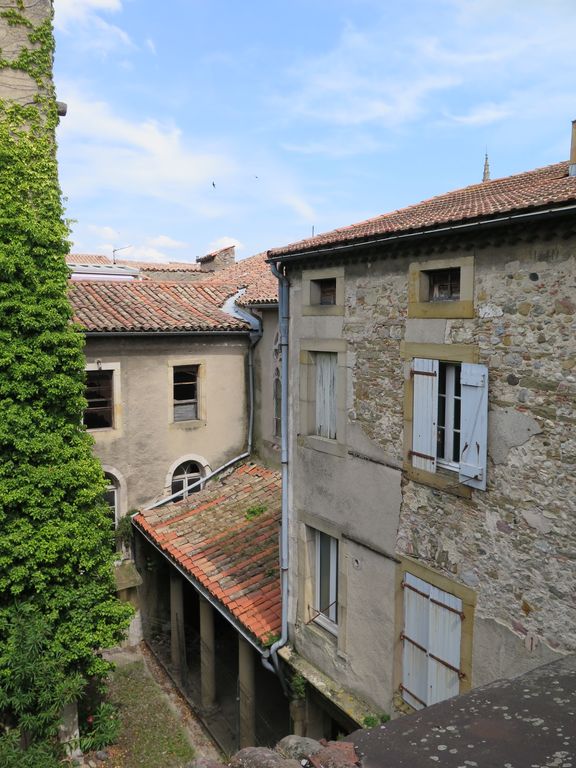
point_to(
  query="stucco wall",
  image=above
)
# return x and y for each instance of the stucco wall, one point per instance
(515, 543)
(266, 444)
(146, 442)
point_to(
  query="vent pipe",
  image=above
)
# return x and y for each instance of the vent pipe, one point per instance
(572, 167)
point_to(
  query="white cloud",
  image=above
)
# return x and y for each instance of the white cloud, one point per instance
(101, 151)
(299, 206)
(347, 146)
(103, 231)
(81, 18)
(164, 241)
(483, 114)
(224, 242)
(150, 44)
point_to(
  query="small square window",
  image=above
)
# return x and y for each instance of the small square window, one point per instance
(442, 284)
(323, 292)
(99, 413)
(185, 392)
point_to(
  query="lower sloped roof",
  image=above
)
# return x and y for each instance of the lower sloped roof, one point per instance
(226, 538)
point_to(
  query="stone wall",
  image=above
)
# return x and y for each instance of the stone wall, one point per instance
(514, 543)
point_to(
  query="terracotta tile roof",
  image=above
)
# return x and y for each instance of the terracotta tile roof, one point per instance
(88, 258)
(253, 274)
(152, 306)
(143, 266)
(549, 186)
(211, 536)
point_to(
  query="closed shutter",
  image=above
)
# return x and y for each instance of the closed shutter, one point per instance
(474, 425)
(445, 631)
(432, 640)
(326, 394)
(424, 413)
(415, 651)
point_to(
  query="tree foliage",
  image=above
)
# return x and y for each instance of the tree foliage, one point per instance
(55, 542)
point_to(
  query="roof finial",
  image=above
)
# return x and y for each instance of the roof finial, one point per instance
(486, 174)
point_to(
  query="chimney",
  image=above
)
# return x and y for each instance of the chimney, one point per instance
(217, 260)
(572, 166)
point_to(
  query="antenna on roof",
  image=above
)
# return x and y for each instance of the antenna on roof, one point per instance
(115, 251)
(486, 174)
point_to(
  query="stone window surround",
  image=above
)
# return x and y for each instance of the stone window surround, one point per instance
(455, 353)
(201, 392)
(306, 437)
(308, 276)
(468, 597)
(418, 306)
(106, 433)
(335, 636)
(200, 460)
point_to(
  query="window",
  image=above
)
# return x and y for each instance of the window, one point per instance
(323, 291)
(450, 419)
(277, 405)
(326, 582)
(442, 288)
(442, 284)
(111, 496)
(325, 420)
(431, 640)
(185, 392)
(184, 476)
(99, 413)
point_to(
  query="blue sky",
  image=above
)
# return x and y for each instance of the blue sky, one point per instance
(194, 124)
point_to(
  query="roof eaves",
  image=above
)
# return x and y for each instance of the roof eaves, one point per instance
(282, 255)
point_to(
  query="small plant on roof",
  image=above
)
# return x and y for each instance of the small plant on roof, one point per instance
(255, 511)
(270, 639)
(298, 686)
(372, 720)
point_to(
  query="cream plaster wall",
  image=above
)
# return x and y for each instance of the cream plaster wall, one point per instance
(148, 442)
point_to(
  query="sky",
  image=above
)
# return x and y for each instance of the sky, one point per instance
(197, 124)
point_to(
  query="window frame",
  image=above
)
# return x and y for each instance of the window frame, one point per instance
(423, 465)
(438, 581)
(308, 436)
(187, 362)
(198, 475)
(327, 617)
(180, 404)
(311, 278)
(116, 428)
(419, 302)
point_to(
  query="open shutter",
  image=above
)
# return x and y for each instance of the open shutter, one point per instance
(474, 425)
(424, 413)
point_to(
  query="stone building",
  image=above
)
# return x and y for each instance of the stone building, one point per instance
(432, 372)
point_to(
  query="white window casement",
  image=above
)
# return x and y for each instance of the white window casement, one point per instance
(326, 581)
(450, 419)
(185, 475)
(325, 414)
(431, 639)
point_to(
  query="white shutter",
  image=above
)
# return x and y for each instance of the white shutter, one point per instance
(474, 425)
(424, 413)
(445, 631)
(415, 659)
(326, 394)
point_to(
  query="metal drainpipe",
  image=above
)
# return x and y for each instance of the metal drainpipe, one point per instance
(283, 301)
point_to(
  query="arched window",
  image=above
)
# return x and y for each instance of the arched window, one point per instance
(277, 388)
(184, 476)
(111, 495)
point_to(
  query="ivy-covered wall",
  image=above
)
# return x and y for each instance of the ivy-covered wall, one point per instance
(55, 542)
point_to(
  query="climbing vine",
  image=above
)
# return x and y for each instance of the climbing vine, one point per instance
(55, 543)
